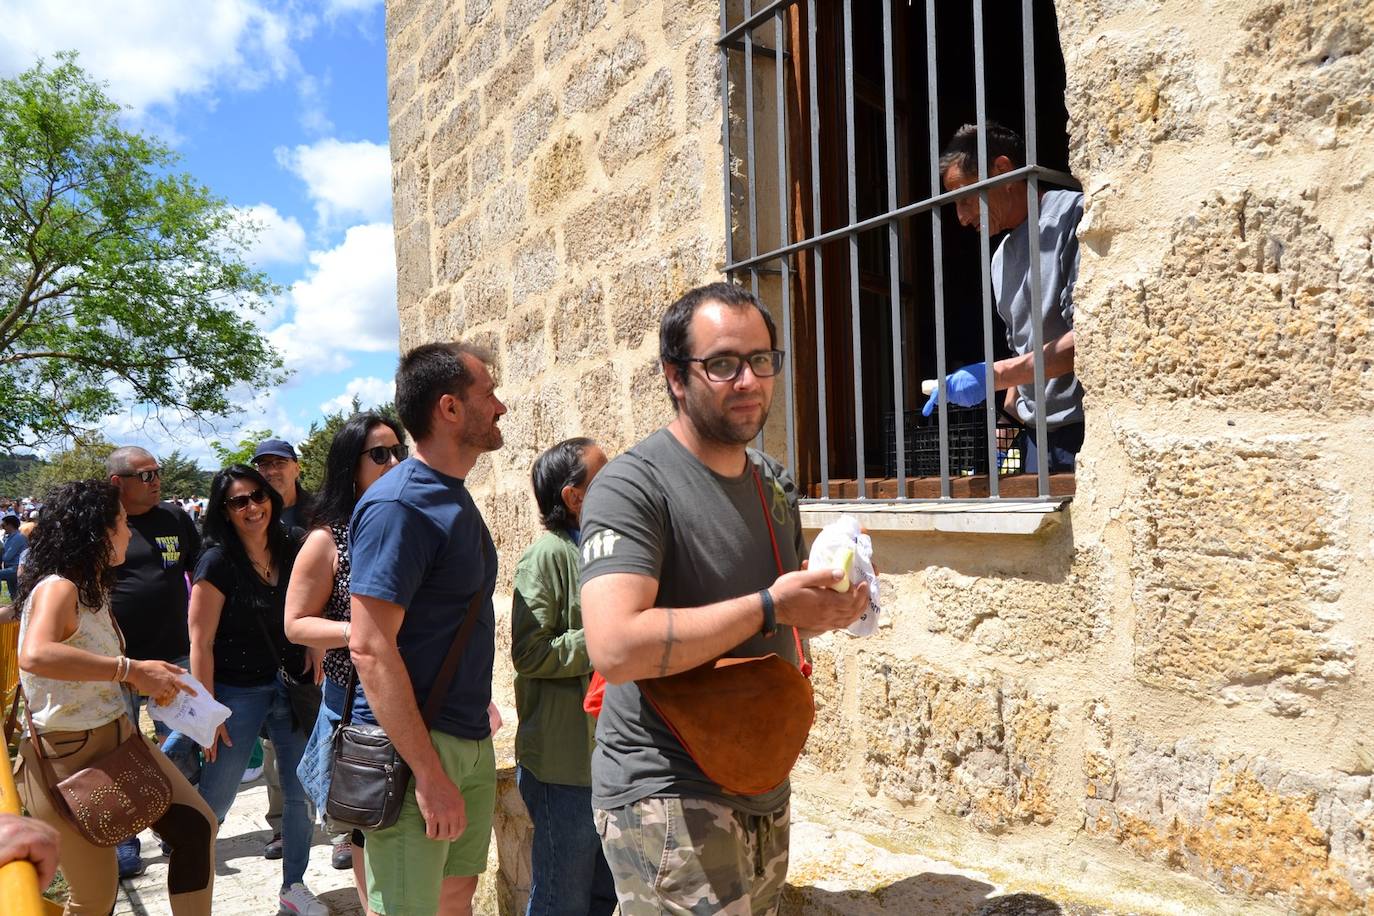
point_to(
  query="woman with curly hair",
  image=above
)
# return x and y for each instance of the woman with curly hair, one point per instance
(240, 651)
(71, 666)
(317, 603)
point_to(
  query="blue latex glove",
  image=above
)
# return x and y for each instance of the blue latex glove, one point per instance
(967, 388)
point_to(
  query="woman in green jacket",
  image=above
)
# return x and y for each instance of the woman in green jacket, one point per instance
(553, 742)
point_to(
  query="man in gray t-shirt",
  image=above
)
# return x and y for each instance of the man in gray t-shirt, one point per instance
(1060, 212)
(691, 546)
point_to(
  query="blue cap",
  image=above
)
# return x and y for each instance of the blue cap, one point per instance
(278, 447)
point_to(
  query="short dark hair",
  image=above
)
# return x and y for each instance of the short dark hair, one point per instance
(561, 465)
(339, 493)
(427, 373)
(673, 329)
(962, 149)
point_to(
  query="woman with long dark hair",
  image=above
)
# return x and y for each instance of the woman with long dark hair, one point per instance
(365, 447)
(240, 652)
(553, 742)
(71, 666)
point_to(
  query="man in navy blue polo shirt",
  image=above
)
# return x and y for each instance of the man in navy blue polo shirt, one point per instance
(420, 552)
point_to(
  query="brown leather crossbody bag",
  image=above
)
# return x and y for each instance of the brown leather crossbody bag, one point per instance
(744, 721)
(114, 797)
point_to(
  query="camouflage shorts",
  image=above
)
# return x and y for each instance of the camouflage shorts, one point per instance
(691, 856)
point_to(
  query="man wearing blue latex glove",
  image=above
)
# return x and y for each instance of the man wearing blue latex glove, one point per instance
(1060, 212)
(967, 387)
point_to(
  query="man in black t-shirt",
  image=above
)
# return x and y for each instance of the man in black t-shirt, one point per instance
(151, 595)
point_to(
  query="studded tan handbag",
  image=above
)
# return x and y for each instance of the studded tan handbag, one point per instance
(112, 798)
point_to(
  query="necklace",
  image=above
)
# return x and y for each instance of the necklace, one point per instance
(264, 570)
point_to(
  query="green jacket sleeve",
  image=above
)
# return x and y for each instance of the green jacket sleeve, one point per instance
(544, 642)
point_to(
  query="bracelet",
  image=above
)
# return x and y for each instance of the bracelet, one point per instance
(770, 619)
(121, 668)
(348, 628)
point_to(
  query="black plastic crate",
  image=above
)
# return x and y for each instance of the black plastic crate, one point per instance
(968, 443)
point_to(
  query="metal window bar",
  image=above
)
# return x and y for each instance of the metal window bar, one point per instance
(893, 252)
(757, 262)
(785, 231)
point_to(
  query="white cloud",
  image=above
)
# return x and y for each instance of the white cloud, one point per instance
(368, 389)
(311, 91)
(153, 52)
(346, 303)
(280, 239)
(334, 8)
(346, 180)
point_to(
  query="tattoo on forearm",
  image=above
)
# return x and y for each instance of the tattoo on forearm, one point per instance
(667, 645)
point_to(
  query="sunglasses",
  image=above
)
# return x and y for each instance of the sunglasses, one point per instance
(240, 502)
(381, 453)
(146, 476)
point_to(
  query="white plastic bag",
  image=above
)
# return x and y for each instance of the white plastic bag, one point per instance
(195, 716)
(840, 534)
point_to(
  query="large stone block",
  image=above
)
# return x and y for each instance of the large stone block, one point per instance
(1130, 92)
(1235, 579)
(652, 407)
(535, 266)
(593, 82)
(642, 125)
(439, 47)
(601, 407)
(980, 748)
(1249, 309)
(642, 290)
(1024, 618)
(579, 327)
(1303, 74)
(409, 190)
(557, 173)
(830, 746)
(532, 125)
(474, 11)
(680, 188)
(486, 296)
(606, 226)
(488, 163)
(450, 191)
(526, 350)
(703, 83)
(413, 279)
(407, 131)
(575, 19)
(684, 19)
(1249, 825)
(535, 419)
(509, 78)
(460, 245)
(504, 215)
(477, 57)
(455, 133)
(520, 15)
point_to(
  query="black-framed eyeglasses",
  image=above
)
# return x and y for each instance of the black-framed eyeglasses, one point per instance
(240, 502)
(147, 476)
(380, 453)
(726, 367)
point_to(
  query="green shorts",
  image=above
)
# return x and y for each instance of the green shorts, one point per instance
(405, 867)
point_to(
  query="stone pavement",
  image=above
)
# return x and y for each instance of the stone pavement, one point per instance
(245, 882)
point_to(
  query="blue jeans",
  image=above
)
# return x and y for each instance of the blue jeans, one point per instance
(569, 874)
(180, 749)
(252, 707)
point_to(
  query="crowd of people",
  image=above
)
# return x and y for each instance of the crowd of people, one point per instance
(662, 572)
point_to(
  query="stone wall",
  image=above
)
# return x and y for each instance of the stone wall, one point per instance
(1166, 697)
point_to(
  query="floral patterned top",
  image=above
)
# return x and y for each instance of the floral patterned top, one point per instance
(337, 663)
(75, 705)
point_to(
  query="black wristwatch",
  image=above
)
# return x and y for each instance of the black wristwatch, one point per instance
(770, 617)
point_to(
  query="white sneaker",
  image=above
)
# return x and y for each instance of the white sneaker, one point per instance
(298, 899)
(251, 774)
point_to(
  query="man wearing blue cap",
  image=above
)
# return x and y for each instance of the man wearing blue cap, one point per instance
(276, 460)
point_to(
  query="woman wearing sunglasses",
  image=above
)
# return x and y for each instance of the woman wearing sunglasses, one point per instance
(317, 616)
(240, 652)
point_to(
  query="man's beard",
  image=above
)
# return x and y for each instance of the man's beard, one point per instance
(486, 440)
(716, 426)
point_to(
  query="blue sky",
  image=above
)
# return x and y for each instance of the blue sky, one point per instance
(279, 108)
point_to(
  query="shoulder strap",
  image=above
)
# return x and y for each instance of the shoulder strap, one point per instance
(439, 690)
(802, 663)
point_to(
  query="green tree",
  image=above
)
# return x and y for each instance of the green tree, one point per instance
(182, 477)
(121, 281)
(86, 458)
(242, 451)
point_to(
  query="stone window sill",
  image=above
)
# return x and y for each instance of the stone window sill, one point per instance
(956, 516)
